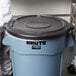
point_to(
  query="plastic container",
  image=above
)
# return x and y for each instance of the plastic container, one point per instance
(37, 45)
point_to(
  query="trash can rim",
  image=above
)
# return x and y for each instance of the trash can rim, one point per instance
(66, 27)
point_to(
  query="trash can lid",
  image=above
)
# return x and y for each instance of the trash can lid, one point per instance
(38, 27)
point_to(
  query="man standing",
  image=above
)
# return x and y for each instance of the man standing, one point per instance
(5, 17)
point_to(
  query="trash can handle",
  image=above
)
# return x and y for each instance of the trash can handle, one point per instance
(69, 39)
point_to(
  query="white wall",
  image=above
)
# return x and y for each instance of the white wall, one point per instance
(49, 7)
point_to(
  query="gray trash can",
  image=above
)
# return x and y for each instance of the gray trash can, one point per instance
(37, 45)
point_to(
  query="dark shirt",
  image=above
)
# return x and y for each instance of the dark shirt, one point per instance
(1, 35)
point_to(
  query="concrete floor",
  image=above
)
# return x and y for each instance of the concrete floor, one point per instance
(67, 60)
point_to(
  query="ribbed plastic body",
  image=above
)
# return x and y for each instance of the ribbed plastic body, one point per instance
(36, 57)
